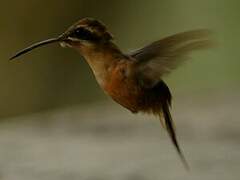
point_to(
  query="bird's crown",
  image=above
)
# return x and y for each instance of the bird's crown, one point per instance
(89, 29)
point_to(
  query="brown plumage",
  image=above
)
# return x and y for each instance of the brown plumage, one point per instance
(133, 80)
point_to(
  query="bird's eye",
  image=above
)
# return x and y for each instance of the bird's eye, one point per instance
(84, 34)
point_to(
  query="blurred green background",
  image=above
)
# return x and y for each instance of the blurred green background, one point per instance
(53, 77)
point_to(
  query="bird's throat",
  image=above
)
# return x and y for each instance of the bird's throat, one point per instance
(101, 59)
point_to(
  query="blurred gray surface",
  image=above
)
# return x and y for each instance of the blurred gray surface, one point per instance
(106, 142)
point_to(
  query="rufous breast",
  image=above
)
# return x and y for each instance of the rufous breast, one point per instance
(121, 87)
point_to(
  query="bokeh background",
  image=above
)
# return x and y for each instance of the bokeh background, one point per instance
(56, 123)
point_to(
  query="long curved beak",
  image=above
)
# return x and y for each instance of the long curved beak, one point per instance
(36, 45)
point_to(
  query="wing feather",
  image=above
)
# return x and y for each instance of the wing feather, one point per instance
(161, 57)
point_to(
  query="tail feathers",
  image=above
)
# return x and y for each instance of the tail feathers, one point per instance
(167, 122)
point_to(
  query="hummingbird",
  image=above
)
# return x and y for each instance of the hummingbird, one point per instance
(132, 79)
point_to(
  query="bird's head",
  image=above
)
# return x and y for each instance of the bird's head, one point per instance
(87, 32)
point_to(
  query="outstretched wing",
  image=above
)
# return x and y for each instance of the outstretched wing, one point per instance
(161, 57)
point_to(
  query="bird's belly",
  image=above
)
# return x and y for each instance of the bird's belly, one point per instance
(124, 91)
(130, 95)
